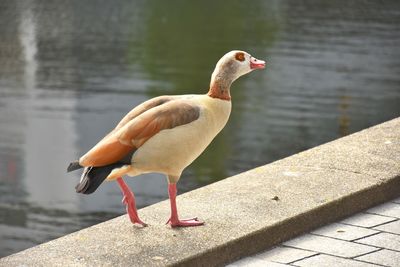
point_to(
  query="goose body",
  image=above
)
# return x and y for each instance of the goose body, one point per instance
(164, 134)
(186, 142)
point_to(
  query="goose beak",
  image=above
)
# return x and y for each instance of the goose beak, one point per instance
(256, 63)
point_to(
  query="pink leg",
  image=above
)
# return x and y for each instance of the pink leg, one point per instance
(129, 201)
(174, 220)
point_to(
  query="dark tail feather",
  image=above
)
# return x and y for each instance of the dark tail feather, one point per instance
(92, 177)
(74, 166)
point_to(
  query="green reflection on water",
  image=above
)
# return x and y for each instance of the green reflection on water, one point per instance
(181, 43)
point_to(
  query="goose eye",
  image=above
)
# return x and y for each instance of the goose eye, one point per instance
(239, 56)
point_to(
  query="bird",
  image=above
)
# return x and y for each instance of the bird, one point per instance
(164, 134)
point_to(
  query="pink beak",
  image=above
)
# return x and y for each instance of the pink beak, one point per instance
(256, 63)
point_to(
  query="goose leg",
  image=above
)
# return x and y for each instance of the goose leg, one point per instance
(174, 219)
(129, 201)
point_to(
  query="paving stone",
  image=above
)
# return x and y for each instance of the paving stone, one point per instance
(384, 257)
(329, 261)
(382, 240)
(387, 209)
(255, 262)
(392, 227)
(285, 254)
(329, 245)
(367, 220)
(344, 232)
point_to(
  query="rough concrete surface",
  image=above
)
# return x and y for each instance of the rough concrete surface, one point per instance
(314, 188)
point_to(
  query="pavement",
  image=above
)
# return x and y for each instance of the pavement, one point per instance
(250, 212)
(367, 239)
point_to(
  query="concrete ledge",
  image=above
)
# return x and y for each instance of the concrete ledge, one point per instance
(242, 216)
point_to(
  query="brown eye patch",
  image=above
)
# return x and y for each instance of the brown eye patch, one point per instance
(239, 56)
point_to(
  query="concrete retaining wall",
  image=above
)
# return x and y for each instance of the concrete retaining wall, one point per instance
(245, 213)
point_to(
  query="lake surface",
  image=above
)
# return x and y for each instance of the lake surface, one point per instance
(69, 70)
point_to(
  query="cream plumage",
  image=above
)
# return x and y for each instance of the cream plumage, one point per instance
(164, 134)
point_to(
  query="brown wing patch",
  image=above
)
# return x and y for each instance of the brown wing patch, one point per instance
(167, 116)
(147, 105)
(137, 127)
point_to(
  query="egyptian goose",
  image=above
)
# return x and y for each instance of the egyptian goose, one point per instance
(164, 135)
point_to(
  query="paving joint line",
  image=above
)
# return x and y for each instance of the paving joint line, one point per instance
(307, 257)
(378, 264)
(368, 212)
(386, 223)
(378, 232)
(370, 252)
(386, 232)
(371, 227)
(338, 256)
(286, 246)
(376, 246)
(344, 240)
(319, 252)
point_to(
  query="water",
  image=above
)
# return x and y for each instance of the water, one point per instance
(69, 70)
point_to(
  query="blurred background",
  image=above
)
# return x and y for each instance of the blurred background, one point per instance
(69, 70)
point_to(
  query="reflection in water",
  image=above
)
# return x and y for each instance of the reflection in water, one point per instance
(69, 70)
(344, 119)
(27, 36)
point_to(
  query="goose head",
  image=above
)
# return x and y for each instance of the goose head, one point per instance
(230, 67)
